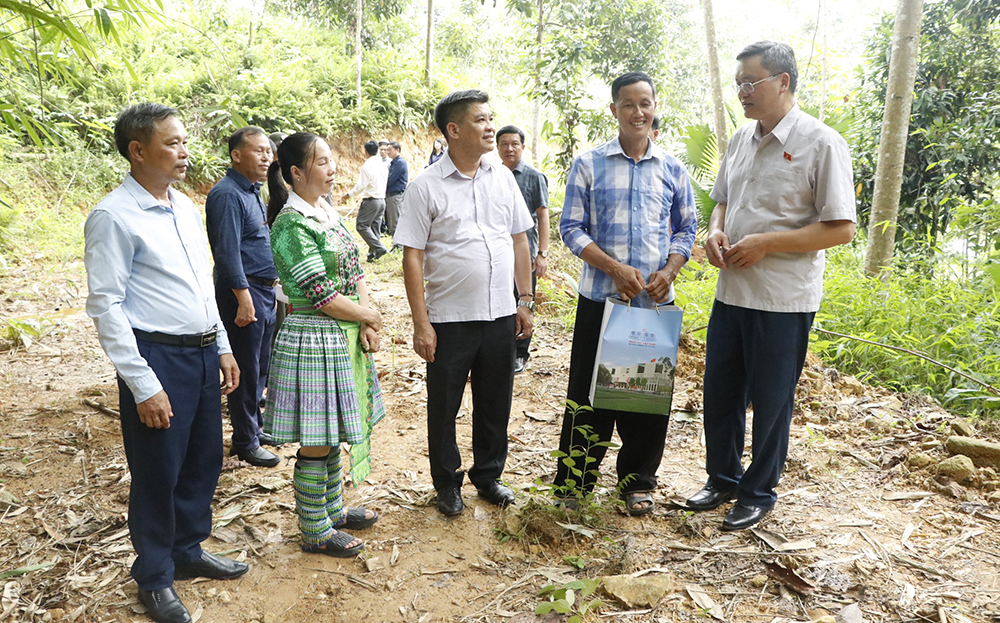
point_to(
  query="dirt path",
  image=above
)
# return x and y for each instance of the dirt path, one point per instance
(863, 526)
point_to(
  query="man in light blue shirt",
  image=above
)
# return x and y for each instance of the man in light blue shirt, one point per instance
(629, 215)
(152, 298)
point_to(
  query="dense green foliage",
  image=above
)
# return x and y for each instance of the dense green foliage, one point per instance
(952, 155)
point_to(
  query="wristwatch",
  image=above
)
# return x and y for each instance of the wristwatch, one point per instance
(544, 254)
(529, 304)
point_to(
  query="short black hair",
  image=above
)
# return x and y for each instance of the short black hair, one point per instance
(371, 148)
(510, 129)
(138, 122)
(277, 137)
(456, 104)
(776, 58)
(656, 122)
(395, 145)
(630, 78)
(237, 138)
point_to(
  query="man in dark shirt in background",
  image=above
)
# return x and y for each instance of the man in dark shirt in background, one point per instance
(245, 277)
(534, 188)
(399, 176)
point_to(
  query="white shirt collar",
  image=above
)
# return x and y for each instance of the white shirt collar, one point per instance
(299, 205)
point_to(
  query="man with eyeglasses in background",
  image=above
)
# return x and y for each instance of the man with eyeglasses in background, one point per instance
(785, 193)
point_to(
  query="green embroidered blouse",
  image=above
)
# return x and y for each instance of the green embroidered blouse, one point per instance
(316, 261)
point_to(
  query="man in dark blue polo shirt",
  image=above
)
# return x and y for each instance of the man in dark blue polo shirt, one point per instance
(535, 190)
(399, 176)
(245, 277)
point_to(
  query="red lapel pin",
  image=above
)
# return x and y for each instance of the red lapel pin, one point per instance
(788, 156)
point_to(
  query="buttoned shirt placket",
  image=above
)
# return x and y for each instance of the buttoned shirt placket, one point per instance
(634, 239)
(187, 255)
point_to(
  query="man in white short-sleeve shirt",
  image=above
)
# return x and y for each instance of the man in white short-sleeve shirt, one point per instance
(462, 230)
(785, 193)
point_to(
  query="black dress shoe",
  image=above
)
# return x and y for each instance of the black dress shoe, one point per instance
(257, 456)
(450, 501)
(520, 364)
(498, 494)
(742, 516)
(709, 497)
(211, 566)
(267, 440)
(164, 606)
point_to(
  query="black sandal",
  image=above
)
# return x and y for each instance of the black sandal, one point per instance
(633, 498)
(335, 546)
(357, 518)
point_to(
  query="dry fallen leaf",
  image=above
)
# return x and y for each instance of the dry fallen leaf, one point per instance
(703, 601)
(788, 577)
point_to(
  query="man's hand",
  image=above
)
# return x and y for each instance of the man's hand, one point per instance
(747, 251)
(541, 266)
(628, 280)
(155, 412)
(369, 339)
(716, 246)
(659, 284)
(425, 341)
(524, 323)
(246, 313)
(230, 373)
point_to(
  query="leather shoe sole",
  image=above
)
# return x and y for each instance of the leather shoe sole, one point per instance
(258, 456)
(497, 494)
(743, 516)
(450, 501)
(211, 566)
(164, 606)
(708, 498)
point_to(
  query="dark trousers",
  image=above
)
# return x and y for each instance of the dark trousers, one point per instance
(252, 350)
(369, 224)
(642, 434)
(174, 470)
(486, 350)
(523, 345)
(753, 357)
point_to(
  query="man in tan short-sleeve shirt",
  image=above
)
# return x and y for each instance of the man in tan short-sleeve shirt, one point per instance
(785, 193)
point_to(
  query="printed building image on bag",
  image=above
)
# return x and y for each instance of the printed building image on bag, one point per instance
(636, 358)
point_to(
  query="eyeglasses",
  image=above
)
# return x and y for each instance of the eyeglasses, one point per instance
(747, 87)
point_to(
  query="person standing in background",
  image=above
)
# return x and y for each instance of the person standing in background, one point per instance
(534, 188)
(399, 176)
(245, 280)
(371, 187)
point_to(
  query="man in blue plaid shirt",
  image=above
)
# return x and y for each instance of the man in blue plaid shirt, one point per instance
(630, 216)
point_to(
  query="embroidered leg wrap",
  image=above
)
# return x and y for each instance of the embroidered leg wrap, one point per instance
(310, 499)
(334, 487)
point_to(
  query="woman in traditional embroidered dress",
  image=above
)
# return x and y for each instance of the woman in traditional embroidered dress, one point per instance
(322, 389)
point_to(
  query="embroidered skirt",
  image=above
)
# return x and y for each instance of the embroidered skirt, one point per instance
(322, 388)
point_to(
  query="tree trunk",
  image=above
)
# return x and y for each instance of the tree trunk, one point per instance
(357, 50)
(718, 105)
(428, 74)
(823, 68)
(895, 129)
(536, 112)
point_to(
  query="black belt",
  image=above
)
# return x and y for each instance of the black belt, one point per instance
(394, 194)
(261, 281)
(200, 340)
